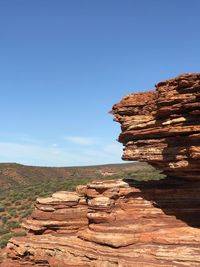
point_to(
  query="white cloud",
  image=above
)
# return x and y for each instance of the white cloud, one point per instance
(32, 154)
(48, 155)
(54, 145)
(80, 140)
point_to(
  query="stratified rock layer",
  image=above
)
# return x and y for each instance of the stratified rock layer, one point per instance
(120, 223)
(162, 126)
(113, 223)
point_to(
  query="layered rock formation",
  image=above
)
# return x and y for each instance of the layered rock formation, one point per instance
(126, 223)
(113, 223)
(162, 126)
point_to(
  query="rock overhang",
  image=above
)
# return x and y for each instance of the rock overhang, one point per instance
(162, 126)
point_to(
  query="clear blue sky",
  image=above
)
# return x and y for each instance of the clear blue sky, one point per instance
(64, 63)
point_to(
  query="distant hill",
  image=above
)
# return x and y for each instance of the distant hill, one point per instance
(12, 174)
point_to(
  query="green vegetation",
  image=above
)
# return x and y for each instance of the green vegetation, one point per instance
(145, 175)
(16, 203)
(16, 174)
(5, 237)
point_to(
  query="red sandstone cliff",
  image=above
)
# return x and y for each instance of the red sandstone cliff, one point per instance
(129, 223)
(162, 126)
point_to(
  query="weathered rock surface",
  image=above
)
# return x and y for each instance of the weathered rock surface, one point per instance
(113, 223)
(127, 223)
(64, 212)
(162, 126)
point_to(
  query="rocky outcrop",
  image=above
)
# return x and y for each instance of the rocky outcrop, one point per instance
(64, 212)
(113, 223)
(162, 126)
(125, 223)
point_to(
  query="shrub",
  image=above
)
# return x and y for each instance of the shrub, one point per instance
(20, 234)
(13, 224)
(4, 219)
(3, 231)
(2, 209)
(3, 242)
(18, 202)
(12, 212)
(4, 239)
(26, 213)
